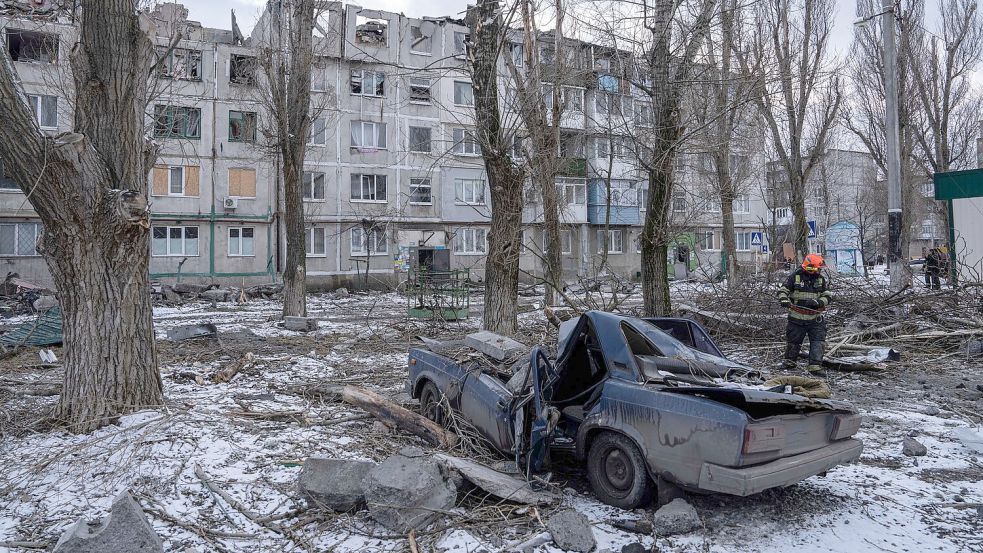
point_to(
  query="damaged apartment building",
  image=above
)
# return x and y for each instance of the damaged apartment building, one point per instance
(392, 162)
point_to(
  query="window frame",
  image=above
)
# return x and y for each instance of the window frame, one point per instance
(170, 181)
(568, 240)
(17, 229)
(375, 181)
(249, 79)
(421, 182)
(310, 242)
(244, 117)
(707, 236)
(309, 178)
(240, 238)
(620, 233)
(460, 191)
(7, 184)
(411, 144)
(417, 86)
(323, 134)
(464, 97)
(570, 186)
(746, 235)
(166, 70)
(373, 235)
(37, 101)
(465, 147)
(175, 114)
(379, 130)
(461, 240)
(184, 241)
(744, 201)
(378, 83)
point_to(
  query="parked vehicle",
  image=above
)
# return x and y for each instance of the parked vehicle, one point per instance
(640, 406)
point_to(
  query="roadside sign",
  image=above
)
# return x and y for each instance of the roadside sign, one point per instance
(812, 228)
(756, 239)
(764, 248)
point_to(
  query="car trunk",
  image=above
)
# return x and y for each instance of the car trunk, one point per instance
(780, 425)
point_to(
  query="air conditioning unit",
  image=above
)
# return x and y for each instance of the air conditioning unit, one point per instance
(231, 203)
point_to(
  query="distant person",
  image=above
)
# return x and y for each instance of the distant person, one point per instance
(805, 294)
(933, 269)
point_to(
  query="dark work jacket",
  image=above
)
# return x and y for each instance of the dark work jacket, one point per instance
(801, 285)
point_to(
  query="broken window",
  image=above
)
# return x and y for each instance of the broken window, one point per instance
(174, 241)
(6, 183)
(313, 186)
(242, 70)
(322, 23)
(32, 47)
(421, 192)
(420, 90)
(461, 41)
(547, 54)
(463, 93)
(242, 126)
(180, 63)
(368, 83)
(241, 241)
(420, 139)
(177, 122)
(370, 31)
(19, 239)
(45, 110)
(421, 41)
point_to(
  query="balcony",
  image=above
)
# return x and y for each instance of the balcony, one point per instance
(572, 167)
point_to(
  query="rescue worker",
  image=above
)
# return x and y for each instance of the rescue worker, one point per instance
(806, 296)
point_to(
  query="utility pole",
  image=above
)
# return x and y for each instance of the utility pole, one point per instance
(896, 262)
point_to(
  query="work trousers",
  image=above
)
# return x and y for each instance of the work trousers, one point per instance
(797, 331)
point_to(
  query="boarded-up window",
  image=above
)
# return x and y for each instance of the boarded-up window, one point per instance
(160, 180)
(242, 183)
(191, 184)
(175, 180)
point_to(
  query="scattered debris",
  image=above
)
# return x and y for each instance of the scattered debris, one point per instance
(124, 530)
(300, 324)
(496, 483)
(47, 356)
(45, 330)
(217, 294)
(678, 517)
(190, 332)
(404, 493)
(913, 448)
(634, 548)
(571, 531)
(45, 303)
(802, 385)
(333, 483)
(496, 346)
(395, 415)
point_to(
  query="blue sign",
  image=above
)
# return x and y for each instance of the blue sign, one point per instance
(756, 239)
(764, 248)
(812, 228)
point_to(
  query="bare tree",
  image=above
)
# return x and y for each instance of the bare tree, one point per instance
(799, 92)
(506, 178)
(88, 187)
(288, 61)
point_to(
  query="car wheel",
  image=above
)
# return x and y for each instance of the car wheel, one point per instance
(617, 471)
(430, 403)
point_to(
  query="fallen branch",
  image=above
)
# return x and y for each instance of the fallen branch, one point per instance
(394, 415)
(24, 544)
(226, 374)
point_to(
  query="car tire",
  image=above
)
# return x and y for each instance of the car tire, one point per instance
(617, 471)
(430, 407)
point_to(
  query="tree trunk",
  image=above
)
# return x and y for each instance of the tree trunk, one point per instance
(800, 228)
(730, 239)
(655, 242)
(89, 189)
(505, 178)
(551, 228)
(289, 76)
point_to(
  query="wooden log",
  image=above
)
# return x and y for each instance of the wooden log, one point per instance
(394, 415)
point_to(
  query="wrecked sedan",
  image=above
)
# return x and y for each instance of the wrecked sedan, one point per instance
(640, 407)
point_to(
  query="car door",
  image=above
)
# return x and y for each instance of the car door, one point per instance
(485, 403)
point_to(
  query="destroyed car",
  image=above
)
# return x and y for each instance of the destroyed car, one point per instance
(640, 407)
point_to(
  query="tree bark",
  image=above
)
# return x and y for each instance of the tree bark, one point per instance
(289, 65)
(505, 178)
(89, 189)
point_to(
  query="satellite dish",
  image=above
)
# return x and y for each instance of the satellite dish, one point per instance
(427, 28)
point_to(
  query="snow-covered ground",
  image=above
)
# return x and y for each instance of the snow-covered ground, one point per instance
(248, 437)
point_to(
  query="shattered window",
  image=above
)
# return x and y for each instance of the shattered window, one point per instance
(421, 191)
(242, 126)
(461, 43)
(421, 41)
(32, 47)
(420, 90)
(368, 83)
(180, 63)
(242, 70)
(370, 31)
(177, 122)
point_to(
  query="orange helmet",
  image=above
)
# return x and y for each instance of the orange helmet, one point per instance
(812, 263)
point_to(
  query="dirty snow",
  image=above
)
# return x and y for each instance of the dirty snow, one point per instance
(248, 437)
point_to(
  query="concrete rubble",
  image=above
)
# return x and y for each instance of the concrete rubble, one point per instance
(571, 531)
(335, 484)
(496, 346)
(678, 517)
(124, 530)
(913, 448)
(406, 493)
(300, 324)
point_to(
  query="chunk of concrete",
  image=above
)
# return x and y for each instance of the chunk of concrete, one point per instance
(124, 530)
(571, 531)
(913, 448)
(189, 332)
(678, 517)
(335, 484)
(186, 288)
(169, 294)
(342, 292)
(45, 303)
(634, 548)
(300, 324)
(494, 345)
(216, 294)
(404, 493)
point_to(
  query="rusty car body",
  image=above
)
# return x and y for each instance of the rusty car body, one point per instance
(641, 407)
